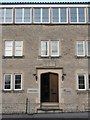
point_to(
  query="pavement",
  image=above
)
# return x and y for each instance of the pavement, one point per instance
(48, 116)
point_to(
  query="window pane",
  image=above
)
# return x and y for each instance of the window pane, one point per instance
(1, 15)
(63, 15)
(44, 48)
(18, 48)
(73, 14)
(81, 15)
(8, 16)
(81, 82)
(88, 14)
(80, 48)
(27, 15)
(19, 15)
(7, 82)
(88, 48)
(37, 14)
(45, 15)
(55, 14)
(54, 48)
(17, 81)
(8, 48)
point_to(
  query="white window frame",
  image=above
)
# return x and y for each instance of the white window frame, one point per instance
(84, 82)
(10, 82)
(47, 48)
(88, 81)
(14, 81)
(88, 15)
(59, 22)
(87, 48)
(15, 48)
(77, 15)
(5, 48)
(22, 22)
(41, 16)
(4, 22)
(57, 48)
(83, 49)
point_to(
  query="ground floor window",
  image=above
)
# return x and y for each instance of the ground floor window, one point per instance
(12, 81)
(81, 82)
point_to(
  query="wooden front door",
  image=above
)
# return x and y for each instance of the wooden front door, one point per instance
(49, 87)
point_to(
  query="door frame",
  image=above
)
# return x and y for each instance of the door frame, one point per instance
(46, 70)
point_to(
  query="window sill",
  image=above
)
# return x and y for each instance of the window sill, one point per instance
(49, 57)
(12, 91)
(82, 91)
(12, 57)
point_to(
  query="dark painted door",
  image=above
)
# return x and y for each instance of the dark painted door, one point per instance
(49, 87)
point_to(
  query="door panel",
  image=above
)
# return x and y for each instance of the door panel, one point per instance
(53, 87)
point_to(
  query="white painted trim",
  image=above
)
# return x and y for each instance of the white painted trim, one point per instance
(14, 81)
(10, 82)
(83, 42)
(87, 48)
(84, 82)
(21, 46)
(4, 47)
(44, 5)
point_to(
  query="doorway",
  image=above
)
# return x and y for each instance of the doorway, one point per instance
(49, 87)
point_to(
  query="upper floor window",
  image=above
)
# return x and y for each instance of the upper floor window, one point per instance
(22, 15)
(89, 81)
(41, 15)
(77, 15)
(88, 14)
(6, 15)
(50, 48)
(18, 48)
(13, 48)
(88, 48)
(80, 48)
(7, 81)
(81, 79)
(8, 48)
(59, 15)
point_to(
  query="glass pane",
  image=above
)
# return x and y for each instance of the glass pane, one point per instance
(81, 86)
(18, 48)
(8, 16)
(1, 15)
(19, 15)
(7, 79)
(37, 14)
(44, 48)
(7, 87)
(55, 14)
(17, 81)
(81, 82)
(81, 15)
(54, 48)
(27, 15)
(8, 48)
(89, 81)
(73, 14)
(88, 47)
(80, 48)
(17, 86)
(63, 15)
(88, 14)
(45, 15)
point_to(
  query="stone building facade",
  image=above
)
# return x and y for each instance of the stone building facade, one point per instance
(45, 53)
